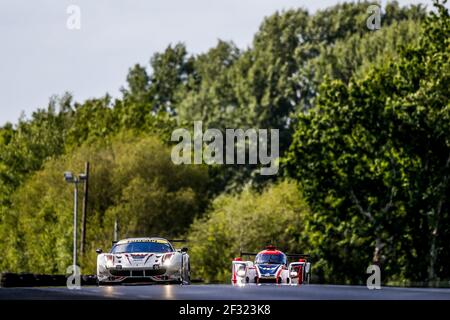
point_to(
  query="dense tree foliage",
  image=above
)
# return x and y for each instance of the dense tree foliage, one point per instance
(133, 182)
(373, 157)
(280, 74)
(248, 222)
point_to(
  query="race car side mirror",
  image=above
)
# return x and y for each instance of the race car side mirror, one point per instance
(184, 249)
(99, 251)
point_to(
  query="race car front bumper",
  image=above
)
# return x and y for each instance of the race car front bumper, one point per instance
(131, 274)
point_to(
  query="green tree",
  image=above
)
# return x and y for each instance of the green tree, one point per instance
(170, 71)
(373, 160)
(92, 120)
(133, 181)
(247, 221)
(27, 145)
(291, 55)
(208, 95)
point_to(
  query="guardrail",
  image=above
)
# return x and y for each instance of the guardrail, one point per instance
(8, 280)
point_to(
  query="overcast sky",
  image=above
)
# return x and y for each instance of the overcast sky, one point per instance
(40, 56)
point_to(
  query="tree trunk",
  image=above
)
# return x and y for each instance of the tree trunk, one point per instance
(435, 224)
(433, 247)
(377, 252)
(433, 257)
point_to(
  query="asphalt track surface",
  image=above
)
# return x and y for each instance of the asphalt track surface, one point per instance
(225, 292)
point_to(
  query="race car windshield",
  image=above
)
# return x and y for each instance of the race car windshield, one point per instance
(270, 259)
(134, 247)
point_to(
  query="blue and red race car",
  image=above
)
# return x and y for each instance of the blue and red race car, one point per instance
(271, 266)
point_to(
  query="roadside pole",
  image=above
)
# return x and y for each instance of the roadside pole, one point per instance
(116, 229)
(75, 209)
(84, 212)
(71, 178)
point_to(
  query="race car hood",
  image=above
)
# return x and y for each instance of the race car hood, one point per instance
(140, 259)
(131, 260)
(268, 270)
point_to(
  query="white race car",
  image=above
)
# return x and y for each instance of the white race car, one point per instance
(143, 259)
(271, 266)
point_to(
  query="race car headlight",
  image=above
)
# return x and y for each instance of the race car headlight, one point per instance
(294, 273)
(167, 258)
(241, 271)
(109, 261)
